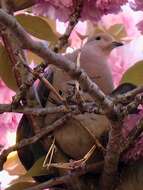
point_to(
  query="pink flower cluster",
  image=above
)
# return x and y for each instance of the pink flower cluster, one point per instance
(8, 121)
(138, 6)
(122, 58)
(135, 152)
(92, 9)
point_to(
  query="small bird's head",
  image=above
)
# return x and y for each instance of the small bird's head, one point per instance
(105, 42)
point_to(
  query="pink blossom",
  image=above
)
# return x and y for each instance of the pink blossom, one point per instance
(8, 121)
(92, 10)
(74, 40)
(122, 58)
(137, 5)
(135, 152)
(140, 26)
(127, 17)
(6, 93)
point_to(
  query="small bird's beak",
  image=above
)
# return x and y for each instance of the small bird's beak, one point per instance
(117, 44)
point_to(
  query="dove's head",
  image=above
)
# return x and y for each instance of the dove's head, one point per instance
(105, 42)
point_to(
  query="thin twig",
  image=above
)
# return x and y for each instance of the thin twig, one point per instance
(45, 81)
(86, 107)
(73, 20)
(11, 49)
(129, 96)
(132, 105)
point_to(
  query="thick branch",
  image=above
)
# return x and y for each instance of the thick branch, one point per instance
(72, 22)
(112, 157)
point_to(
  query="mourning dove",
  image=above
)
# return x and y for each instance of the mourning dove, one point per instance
(79, 134)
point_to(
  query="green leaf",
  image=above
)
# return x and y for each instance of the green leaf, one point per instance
(6, 72)
(13, 165)
(37, 26)
(21, 186)
(21, 179)
(134, 74)
(52, 24)
(37, 169)
(118, 30)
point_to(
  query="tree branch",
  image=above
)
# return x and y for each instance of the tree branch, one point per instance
(129, 96)
(112, 157)
(86, 107)
(72, 22)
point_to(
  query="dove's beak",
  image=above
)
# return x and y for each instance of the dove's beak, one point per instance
(117, 44)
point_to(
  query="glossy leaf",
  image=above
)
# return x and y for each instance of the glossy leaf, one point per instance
(134, 74)
(13, 165)
(21, 186)
(98, 29)
(20, 179)
(118, 31)
(52, 24)
(37, 26)
(6, 71)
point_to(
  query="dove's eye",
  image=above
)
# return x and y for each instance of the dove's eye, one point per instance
(60, 92)
(98, 38)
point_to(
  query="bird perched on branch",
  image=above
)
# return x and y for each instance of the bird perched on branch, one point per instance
(82, 131)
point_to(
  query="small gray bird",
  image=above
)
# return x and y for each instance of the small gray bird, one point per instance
(79, 134)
